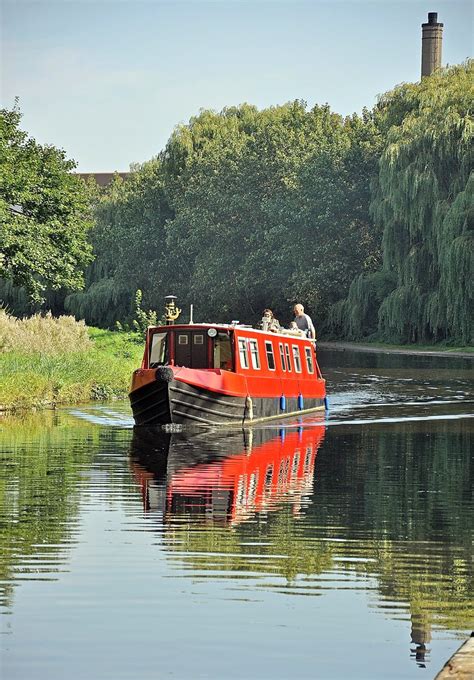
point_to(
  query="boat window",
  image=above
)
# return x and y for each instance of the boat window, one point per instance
(288, 360)
(158, 349)
(254, 354)
(270, 356)
(241, 490)
(268, 478)
(183, 339)
(244, 359)
(283, 473)
(252, 490)
(223, 352)
(198, 339)
(296, 358)
(309, 360)
(296, 462)
(282, 356)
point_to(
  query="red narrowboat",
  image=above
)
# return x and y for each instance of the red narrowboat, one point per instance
(224, 374)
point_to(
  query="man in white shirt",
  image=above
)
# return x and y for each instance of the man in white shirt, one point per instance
(304, 322)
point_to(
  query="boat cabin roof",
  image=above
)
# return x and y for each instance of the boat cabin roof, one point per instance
(283, 333)
(233, 348)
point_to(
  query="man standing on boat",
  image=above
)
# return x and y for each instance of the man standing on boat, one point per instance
(304, 322)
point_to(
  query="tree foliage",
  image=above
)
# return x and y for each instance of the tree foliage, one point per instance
(44, 214)
(242, 210)
(367, 219)
(269, 207)
(423, 200)
(129, 242)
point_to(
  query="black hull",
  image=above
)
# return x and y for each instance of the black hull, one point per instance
(175, 402)
(150, 404)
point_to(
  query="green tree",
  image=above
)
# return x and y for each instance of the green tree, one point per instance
(44, 213)
(129, 242)
(242, 210)
(423, 199)
(270, 206)
(330, 236)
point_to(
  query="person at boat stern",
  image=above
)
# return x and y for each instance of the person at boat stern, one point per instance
(269, 322)
(304, 322)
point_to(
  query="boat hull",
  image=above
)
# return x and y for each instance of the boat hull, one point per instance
(168, 400)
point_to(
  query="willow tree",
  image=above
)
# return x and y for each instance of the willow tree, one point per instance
(423, 199)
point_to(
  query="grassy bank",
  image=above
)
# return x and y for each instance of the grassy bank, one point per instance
(101, 369)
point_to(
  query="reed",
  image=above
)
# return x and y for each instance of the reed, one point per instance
(45, 362)
(43, 334)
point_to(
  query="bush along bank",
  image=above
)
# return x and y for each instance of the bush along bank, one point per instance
(45, 362)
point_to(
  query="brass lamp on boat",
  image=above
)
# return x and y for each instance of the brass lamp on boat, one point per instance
(171, 311)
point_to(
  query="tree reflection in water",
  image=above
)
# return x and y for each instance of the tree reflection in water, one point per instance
(391, 502)
(296, 509)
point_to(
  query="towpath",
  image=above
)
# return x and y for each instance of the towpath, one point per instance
(461, 665)
(381, 349)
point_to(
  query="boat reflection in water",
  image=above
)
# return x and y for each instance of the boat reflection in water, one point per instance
(225, 479)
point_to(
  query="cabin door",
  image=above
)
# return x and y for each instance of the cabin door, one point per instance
(191, 349)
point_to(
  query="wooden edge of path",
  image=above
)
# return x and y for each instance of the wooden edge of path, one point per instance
(461, 665)
(380, 349)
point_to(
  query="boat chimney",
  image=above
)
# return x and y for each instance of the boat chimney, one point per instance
(171, 311)
(431, 45)
(191, 320)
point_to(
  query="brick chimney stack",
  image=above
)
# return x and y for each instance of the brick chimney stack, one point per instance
(431, 45)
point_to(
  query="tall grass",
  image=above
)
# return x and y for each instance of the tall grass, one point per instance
(43, 334)
(46, 361)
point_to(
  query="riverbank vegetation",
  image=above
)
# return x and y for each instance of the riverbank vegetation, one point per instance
(365, 219)
(45, 362)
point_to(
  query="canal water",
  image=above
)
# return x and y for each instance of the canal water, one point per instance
(337, 547)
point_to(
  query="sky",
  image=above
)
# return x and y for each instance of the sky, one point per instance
(108, 80)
